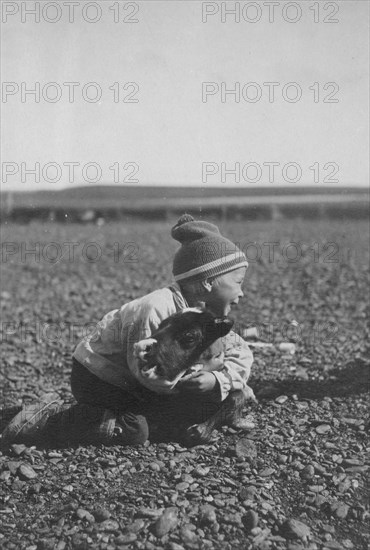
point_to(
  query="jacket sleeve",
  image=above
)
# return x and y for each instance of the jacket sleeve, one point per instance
(237, 365)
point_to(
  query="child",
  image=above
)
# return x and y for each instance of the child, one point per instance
(208, 271)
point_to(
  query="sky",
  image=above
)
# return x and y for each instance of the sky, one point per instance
(157, 111)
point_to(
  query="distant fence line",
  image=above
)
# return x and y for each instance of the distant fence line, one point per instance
(228, 208)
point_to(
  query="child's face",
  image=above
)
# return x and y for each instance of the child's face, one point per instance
(226, 290)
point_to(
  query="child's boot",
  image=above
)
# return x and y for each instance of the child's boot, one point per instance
(58, 425)
(28, 426)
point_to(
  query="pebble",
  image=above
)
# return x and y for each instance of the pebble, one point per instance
(323, 429)
(308, 472)
(266, 472)
(341, 510)
(46, 544)
(200, 471)
(12, 466)
(25, 472)
(251, 332)
(182, 486)
(296, 529)
(165, 523)
(247, 493)
(85, 515)
(348, 544)
(150, 513)
(348, 462)
(251, 520)
(126, 539)
(109, 525)
(18, 449)
(175, 546)
(245, 448)
(155, 467)
(136, 526)
(316, 488)
(287, 347)
(187, 535)
(101, 514)
(281, 399)
(208, 514)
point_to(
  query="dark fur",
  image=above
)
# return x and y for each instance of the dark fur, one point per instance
(182, 338)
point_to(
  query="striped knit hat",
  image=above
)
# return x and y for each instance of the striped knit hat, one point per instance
(204, 252)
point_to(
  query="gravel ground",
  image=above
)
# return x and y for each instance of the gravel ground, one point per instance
(297, 481)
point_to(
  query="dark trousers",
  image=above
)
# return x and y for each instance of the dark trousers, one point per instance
(165, 413)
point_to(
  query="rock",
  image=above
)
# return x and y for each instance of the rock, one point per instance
(308, 472)
(187, 536)
(358, 469)
(150, 513)
(101, 514)
(12, 466)
(25, 472)
(155, 467)
(348, 544)
(126, 539)
(349, 462)
(165, 523)
(287, 347)
(5, 475)
(247, 493)
(281, 399)
(85, 515)
(251, 333)
(295, 529)
(266, 472)
(200, 471)
(316, 488)
(109, 525)
(182, 486)
(251, 520)
(208, 514)
(175, 546)
(18, 449)
(46, 544)
(246, 448)
(232, 519)
(323, 429)
(136, 526)
(341, 510)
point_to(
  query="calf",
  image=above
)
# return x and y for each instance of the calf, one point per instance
(179, 343)
(185, 339)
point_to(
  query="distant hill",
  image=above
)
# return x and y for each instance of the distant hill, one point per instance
(118, 195)
(113, 202)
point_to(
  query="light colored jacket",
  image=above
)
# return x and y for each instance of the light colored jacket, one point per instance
(108, 351)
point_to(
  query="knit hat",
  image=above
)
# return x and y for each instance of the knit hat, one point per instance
(204, 252)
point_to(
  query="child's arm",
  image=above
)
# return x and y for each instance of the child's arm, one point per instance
(148, 324)
(237, 365)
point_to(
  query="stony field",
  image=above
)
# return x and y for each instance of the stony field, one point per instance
(297, 481)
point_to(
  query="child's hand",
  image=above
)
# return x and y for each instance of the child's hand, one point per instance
(200, 382)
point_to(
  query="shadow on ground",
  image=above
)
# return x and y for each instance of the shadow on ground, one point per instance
(354, 379)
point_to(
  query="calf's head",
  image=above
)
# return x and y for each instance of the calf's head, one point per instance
(180, 340)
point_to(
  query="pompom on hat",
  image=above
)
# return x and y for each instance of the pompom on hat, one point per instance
(204, 252)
